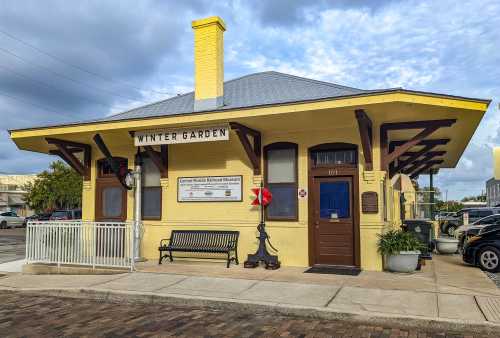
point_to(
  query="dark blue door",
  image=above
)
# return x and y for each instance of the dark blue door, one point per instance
(333, 221)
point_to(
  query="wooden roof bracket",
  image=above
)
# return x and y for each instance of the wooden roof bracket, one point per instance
(160, 159)
(253, 151)
(429, 127)
(426, 167)
(366, 135)
(111, 160)
(413, 157)
(67, 149)
(418, 164)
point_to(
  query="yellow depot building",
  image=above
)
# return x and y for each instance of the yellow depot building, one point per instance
(335, 158)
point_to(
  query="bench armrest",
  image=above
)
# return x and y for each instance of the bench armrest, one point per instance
(164, 240)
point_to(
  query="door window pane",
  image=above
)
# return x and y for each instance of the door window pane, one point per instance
(281, 165)
(334, 200)
(284, 203)
(112, 202)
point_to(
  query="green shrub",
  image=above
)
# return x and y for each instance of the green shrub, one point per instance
(394, 241)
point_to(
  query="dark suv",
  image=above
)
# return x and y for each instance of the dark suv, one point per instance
(483, 250)
(66, 215)
(486, 223)
(474, 214)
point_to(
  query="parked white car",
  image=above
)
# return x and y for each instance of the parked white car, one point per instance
(10, 219)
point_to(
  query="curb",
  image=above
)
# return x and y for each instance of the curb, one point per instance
(363, 318)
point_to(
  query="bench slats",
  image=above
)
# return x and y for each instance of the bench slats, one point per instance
(207, 241)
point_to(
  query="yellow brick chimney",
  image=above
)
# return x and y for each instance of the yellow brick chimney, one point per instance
(208, 63)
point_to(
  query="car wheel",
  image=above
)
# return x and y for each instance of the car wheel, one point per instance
(489, 259)
(3, 225)
(450, 230)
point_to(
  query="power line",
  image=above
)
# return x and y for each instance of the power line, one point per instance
(64, 76)
(51, 110)
(76, 66)
(50, 86)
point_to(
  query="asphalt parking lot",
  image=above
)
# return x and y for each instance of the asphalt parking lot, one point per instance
(12, 244)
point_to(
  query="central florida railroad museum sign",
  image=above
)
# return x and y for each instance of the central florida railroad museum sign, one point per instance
(176, 136)
(210, 189)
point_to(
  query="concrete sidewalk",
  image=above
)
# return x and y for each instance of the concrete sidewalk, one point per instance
(448, 302)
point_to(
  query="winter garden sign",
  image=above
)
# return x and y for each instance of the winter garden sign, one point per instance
(185, 135)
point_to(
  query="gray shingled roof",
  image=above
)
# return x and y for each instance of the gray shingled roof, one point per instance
(259, 89)
(252, 90)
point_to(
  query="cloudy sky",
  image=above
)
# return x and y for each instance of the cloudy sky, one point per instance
(63, 61)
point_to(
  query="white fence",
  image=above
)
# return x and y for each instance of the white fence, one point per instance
(96, 244)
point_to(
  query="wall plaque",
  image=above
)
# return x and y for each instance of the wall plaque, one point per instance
(209, 189)
(369, 202)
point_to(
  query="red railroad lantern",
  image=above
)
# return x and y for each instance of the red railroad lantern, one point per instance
(262, 194)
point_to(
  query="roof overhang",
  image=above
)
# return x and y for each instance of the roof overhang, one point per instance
(395, 105)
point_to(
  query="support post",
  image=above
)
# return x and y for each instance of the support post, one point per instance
(431, 197)
(137, 211)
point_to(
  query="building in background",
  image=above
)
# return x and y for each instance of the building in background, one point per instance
(12, 193)
(493, 192)
(493, 184)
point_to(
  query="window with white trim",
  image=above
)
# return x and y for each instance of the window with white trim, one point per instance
(281, 180)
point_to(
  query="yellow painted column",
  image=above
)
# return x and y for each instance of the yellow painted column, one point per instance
(164, 187)
(372, 224)
(88, 202)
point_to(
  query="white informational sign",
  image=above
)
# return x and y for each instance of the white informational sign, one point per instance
(187, 135)
(209, 189)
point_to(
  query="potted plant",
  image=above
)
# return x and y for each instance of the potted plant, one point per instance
(400, 249)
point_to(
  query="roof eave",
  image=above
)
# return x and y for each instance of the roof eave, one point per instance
(368, 93)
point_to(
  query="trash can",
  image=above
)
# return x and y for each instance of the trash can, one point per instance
(424, 231)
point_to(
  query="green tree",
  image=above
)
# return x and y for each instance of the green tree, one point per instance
(60, 187)
(479, 198)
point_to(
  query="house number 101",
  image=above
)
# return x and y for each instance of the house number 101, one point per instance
(332, 172)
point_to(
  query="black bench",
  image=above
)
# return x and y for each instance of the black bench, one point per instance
(206, 241)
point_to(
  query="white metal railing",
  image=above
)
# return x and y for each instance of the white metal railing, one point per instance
(96, 244)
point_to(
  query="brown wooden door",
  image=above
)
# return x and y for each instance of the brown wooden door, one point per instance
(111, 206)
(333, 221)
(111, 201)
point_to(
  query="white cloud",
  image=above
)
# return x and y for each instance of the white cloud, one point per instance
(440, 46)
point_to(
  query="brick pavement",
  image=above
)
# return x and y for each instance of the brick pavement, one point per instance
(12, 244)
(41, 316)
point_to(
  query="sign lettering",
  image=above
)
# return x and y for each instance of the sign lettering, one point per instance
(175, 136)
